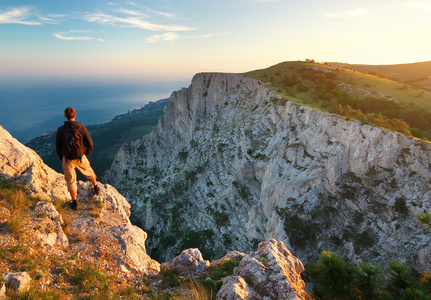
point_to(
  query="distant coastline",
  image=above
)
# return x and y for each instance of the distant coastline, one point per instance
(32, 110)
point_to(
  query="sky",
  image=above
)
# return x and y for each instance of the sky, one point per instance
(166, 40)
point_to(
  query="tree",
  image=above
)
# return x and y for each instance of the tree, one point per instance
(401, 284)
(333, 276)
(368, 281)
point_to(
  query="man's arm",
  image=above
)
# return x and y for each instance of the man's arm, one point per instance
(88, 142)
(59, 144)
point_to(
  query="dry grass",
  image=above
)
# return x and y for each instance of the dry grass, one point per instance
(194, 291)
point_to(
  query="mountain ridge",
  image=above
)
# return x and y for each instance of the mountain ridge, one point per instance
(228, 153)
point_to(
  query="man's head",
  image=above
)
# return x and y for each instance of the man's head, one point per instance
(69, 113)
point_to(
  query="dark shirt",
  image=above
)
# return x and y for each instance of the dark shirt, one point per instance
(86, 138)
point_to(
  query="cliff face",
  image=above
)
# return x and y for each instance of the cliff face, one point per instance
(230, 164)
(49, 249)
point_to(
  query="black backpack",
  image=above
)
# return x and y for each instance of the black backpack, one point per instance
(73, 146)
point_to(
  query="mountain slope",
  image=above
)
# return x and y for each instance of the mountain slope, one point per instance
(231, 163)
(419, 73)
(370, 98)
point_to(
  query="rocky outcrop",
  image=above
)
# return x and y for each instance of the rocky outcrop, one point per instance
(47, 225)
(100, 229)
(23, 165)
(189, 263)
(231, 164)
(271, 272)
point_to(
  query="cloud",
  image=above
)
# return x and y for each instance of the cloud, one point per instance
(172, 36)
(18, 15)
(130, 12)
(357, 12)
(63, 37)
(135, 21)
(26, 15)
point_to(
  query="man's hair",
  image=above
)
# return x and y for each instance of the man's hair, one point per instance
(69, 113)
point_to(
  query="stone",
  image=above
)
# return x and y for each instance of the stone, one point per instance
(4, 214)
(19, 282)
(21, 164)
(189, 263)
(272, 271)
(47, 225)
(3, 292)
(134, 256)
(236, 288)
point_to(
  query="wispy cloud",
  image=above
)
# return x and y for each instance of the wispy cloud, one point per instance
(172, 36)
(130, 12)
(19, 15)
(356, 12)
(65, 37)
(27, 15)
(134, 21)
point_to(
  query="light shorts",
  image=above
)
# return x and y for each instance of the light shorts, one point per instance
(69, 166)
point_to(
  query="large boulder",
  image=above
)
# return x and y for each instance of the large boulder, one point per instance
(47, 225)
(272, 271)
(134, 256)
(189, 263)
(23, 165)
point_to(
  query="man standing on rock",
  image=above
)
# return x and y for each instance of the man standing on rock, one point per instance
(73, 144)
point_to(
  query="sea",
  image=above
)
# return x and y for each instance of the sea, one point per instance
(30, 109)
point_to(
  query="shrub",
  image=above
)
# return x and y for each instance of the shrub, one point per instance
(89, 279)
(224, 268)
(334, 277)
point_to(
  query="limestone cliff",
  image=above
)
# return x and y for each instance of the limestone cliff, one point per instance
(230, 164)
(50, 251)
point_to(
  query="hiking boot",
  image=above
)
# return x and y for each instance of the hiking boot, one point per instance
(96, 190)
(73, 204)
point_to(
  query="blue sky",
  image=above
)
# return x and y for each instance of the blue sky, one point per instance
(173, 40)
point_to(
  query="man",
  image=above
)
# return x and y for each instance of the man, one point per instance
(73, 144)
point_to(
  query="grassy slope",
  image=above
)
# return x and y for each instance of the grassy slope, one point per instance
(414, 72)
(357, 84)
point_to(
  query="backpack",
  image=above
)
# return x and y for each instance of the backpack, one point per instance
(73, 146)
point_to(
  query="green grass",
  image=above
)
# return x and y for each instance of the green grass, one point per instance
(372, 99)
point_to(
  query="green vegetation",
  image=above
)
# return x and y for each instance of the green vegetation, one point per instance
(371, 99)
(334, 278)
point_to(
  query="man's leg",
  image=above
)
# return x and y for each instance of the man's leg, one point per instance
(70, 177)
(86, 170)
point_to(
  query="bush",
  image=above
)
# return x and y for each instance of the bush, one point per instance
(333, 276)
(335, 279)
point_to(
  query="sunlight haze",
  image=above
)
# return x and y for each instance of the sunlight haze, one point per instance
(173, 40)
